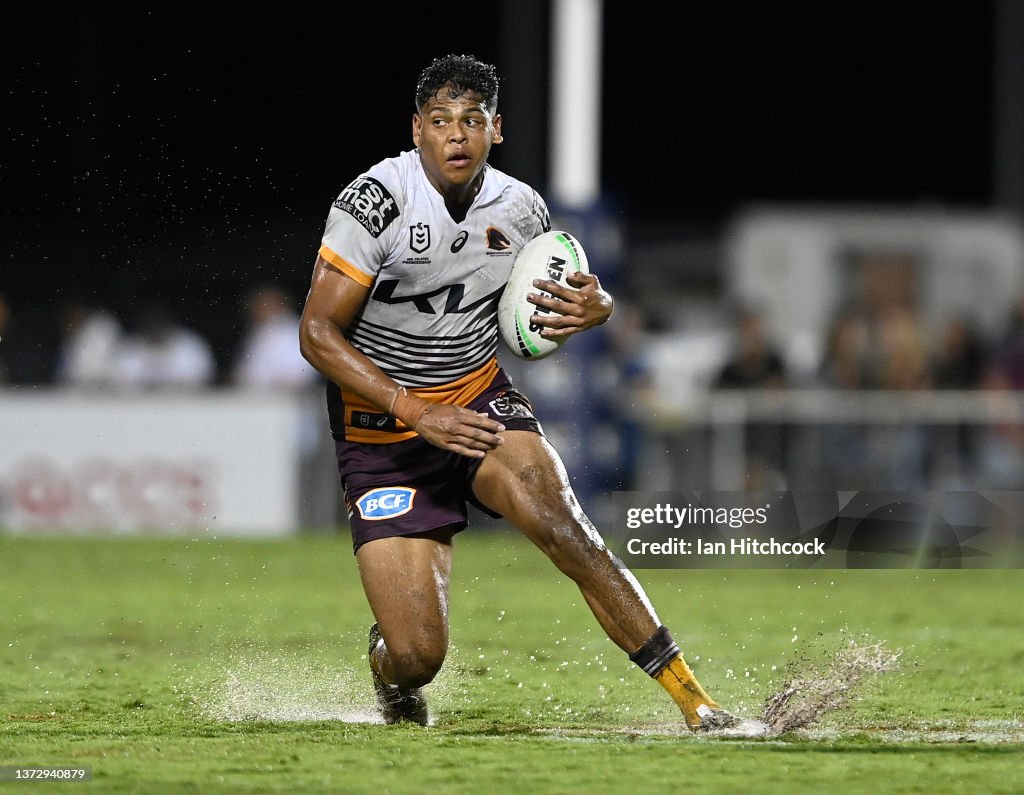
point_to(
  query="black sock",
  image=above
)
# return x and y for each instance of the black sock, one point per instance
(657, 652)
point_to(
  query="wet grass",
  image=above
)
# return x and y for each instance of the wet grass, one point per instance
(217, 665)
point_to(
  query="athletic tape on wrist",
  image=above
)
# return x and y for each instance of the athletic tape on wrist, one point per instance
(408, 408)
(391, 406)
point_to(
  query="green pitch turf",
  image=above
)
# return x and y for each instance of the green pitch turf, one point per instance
(218, 665)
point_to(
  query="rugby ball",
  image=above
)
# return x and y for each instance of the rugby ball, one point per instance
(552, 255)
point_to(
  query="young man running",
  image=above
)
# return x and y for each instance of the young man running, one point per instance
(401, 318)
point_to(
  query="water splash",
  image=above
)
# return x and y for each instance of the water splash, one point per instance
(263, 686)
(252, 684)
(815, 685)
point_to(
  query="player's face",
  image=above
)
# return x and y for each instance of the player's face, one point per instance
(454, 137)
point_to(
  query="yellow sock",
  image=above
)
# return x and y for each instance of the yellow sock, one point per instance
(679, 681)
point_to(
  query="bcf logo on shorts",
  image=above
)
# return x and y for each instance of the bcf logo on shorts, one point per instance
(386, 503)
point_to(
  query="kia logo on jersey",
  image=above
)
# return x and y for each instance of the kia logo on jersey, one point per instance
(419, 237)
(459, 242)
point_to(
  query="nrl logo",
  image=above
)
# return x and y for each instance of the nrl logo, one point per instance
(419, 237)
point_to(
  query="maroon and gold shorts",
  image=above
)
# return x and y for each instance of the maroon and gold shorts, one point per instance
(412, 486)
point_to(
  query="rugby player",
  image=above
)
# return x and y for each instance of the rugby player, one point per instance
(401, 318)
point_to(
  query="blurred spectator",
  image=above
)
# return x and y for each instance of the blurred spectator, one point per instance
(1008, 352)
(755, 362)
(846, 365)
(846, 361)
(1000, 446)
(961, 360)
(90, 341)
(886, 298)
(880, 347)
(25, 353)
(903, 361)
(900, 453)
(631, 383)
(628, 356)
(960, 365)
(163, 354)
(269, 352)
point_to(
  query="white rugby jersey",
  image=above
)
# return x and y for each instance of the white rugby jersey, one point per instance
(430, 321)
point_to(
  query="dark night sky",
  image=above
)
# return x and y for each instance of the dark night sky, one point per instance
(180, 156)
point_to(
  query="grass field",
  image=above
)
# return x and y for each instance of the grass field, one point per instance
(219, 665)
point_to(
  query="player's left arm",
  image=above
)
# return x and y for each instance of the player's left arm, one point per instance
(582, 305)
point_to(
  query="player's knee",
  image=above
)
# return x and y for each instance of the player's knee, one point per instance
(416, 666)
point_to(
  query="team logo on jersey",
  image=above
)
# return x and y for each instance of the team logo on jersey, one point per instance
(459, 242)
(497, 240)
(419, 237)
(386, 503)
(369, 202)
(505, 407)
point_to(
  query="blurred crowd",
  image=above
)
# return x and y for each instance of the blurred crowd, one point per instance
(878, 343)
(92, 348)
(882, 340)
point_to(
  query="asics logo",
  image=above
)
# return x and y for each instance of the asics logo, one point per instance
(459, 242)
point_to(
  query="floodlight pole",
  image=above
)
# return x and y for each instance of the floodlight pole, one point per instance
(575, 135)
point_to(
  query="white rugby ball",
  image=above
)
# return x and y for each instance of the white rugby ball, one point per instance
(552, 255)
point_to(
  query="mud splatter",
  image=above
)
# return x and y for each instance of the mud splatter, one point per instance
(818, 683)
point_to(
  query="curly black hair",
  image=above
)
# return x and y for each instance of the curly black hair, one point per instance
(461, 73)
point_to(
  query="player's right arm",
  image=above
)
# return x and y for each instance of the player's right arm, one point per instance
(334, 300)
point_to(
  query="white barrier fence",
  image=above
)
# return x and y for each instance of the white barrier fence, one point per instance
(213, 463)
(804, 439)
(239, 463)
